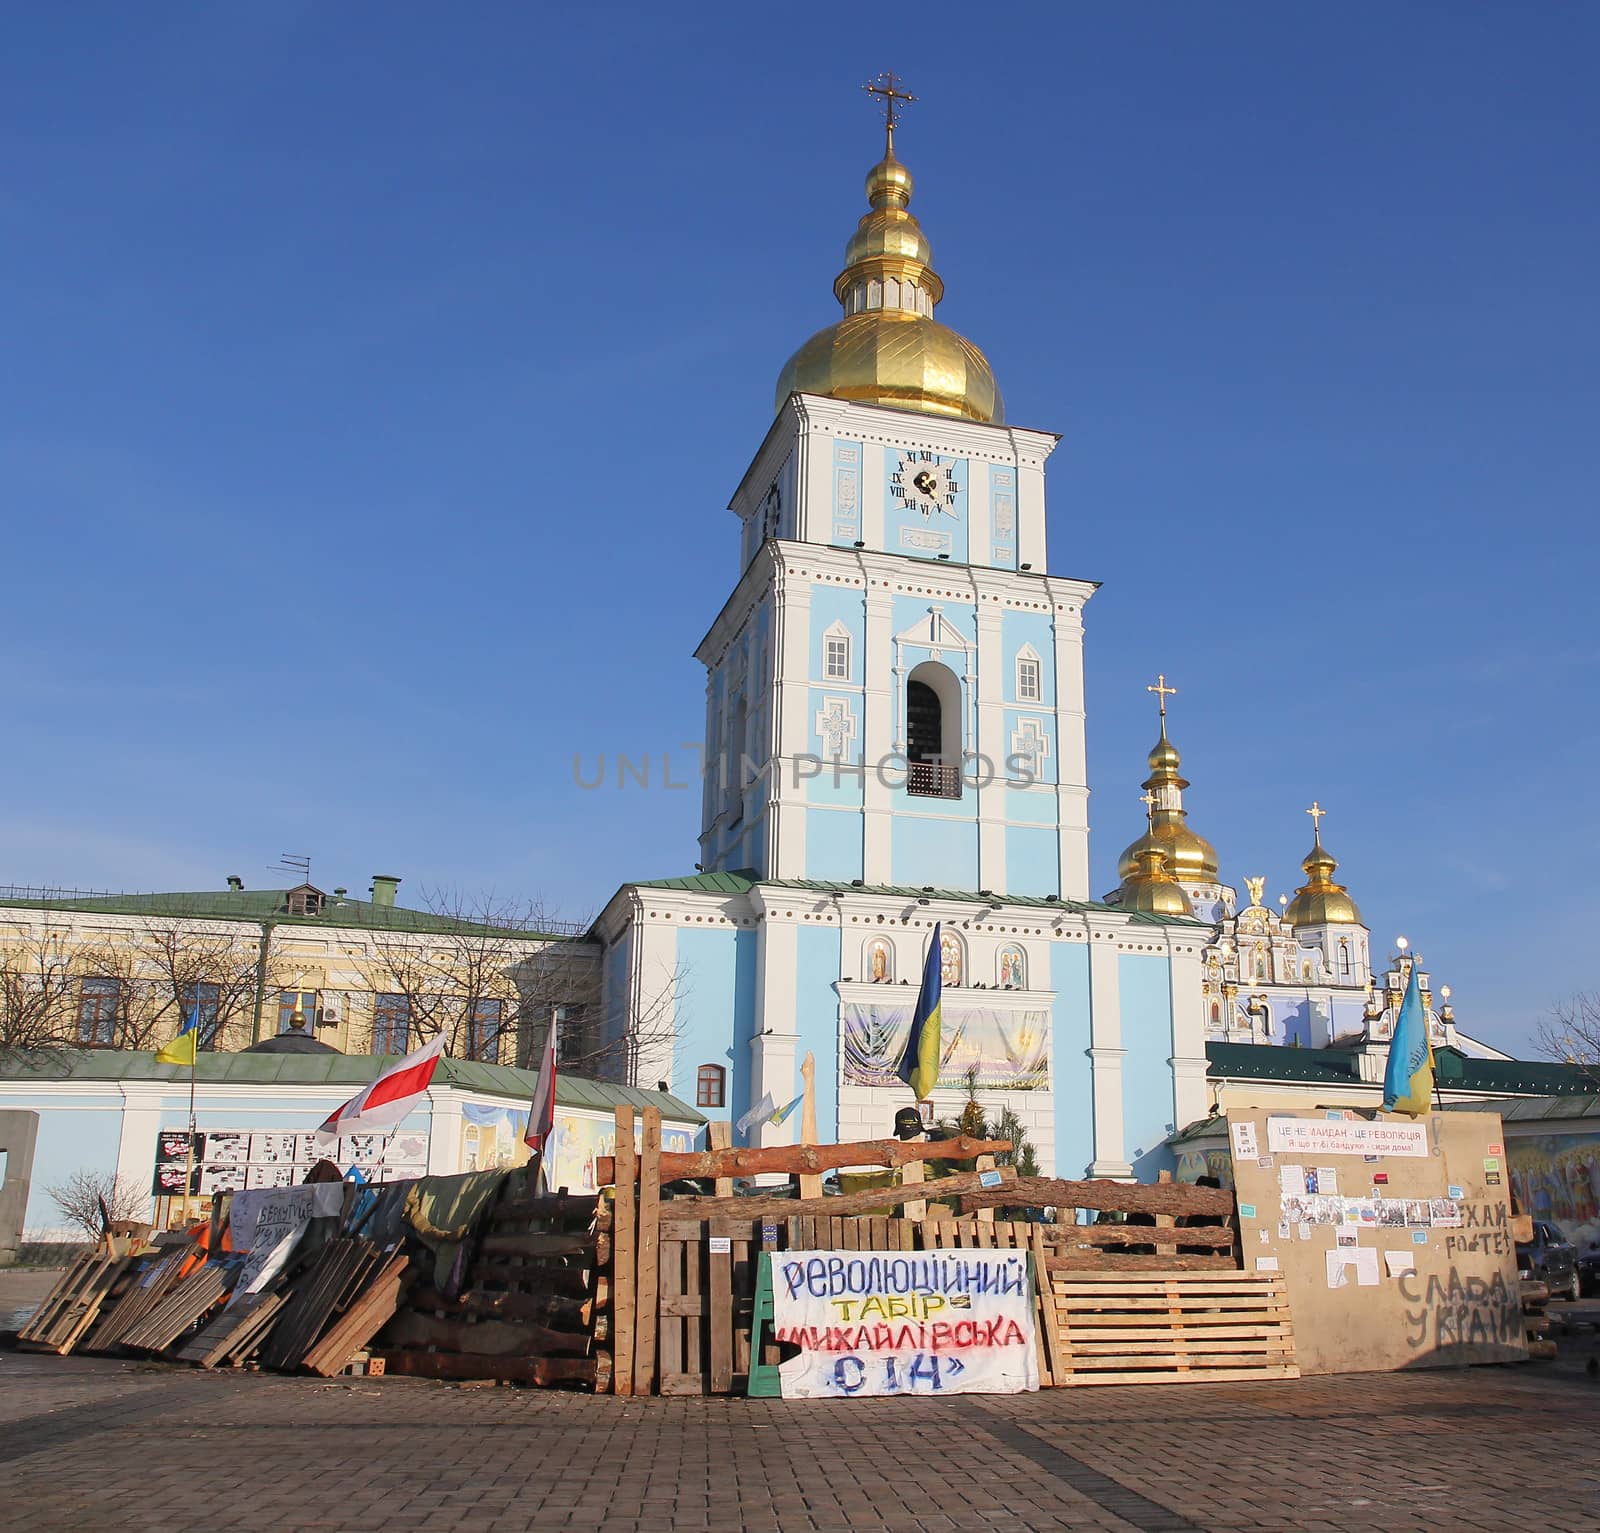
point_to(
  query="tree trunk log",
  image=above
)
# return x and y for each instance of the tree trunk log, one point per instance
(1061, 1237)
(850, 1203)
(1106, 1197)
(809, 1159)
(1084, 1261)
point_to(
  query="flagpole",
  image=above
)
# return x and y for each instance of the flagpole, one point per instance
(188, 1169)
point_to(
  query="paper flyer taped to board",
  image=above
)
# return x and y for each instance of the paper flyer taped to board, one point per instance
(941, 1322)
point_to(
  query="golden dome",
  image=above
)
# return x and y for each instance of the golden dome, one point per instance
(1320, 901)
(889, 349)
(1150, 889)
(1189, 857)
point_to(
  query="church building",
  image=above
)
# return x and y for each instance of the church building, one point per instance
(894, 746)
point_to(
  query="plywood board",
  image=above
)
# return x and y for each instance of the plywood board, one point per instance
(1400, 1184)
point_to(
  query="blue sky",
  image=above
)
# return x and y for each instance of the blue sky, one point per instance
(374, 378)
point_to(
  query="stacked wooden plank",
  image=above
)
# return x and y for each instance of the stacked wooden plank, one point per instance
(233, 1335)
(71, 1308)
(181, 1308)
(1176, 1327)
(533, 1306)
(149, 1279)
(339, 1301)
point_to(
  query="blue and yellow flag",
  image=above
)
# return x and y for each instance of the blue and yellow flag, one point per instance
(181, 1050)
(919, 1065)
(1408, 1079)
(783, 1112)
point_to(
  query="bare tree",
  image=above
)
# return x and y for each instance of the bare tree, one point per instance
(37, 991)
(1571, 1033)
(204, 965)
(88, 1198)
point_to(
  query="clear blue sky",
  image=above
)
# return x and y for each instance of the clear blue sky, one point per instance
(373, 378)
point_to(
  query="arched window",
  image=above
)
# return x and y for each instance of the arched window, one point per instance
(1344, 956)
(1030, 675)
(952, 960)
(878, 965)
(933, 731)
(710, 1086)
(1012, 971)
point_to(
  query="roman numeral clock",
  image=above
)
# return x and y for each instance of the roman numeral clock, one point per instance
(926, 505)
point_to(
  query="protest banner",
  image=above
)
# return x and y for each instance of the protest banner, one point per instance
(938, 1322)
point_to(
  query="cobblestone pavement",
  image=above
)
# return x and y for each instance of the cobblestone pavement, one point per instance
(83, 1441)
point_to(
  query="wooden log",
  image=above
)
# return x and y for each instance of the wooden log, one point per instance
(1120, 1261)
(1535, 1325)
(569, 1282)
(719, 1136)
(848, 1203)
(914, 1173)
(811, 1159)
(533, 1244)
(986, 1213)
(555, 1206)
(1107, 1197)
(605, 1167)
(487, 1338)
(649, 1253)
(464, 1365)
(1059, 1237)
(624, 1272)
(1535, 1291)
(1542, 1351)
(541, 1309)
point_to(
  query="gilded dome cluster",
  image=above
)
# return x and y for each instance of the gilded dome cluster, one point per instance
(889, 349)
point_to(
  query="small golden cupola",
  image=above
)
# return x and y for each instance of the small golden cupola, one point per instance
(1320, 901)
(1188, 857)
(1149, 888)
(889, 349)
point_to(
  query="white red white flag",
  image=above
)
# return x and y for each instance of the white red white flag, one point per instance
(389, 1098)
(542, 1109)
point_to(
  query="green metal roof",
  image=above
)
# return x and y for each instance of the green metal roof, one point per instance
(1456, 1071)
(743, 881)
(355, 1070)
(260, 905)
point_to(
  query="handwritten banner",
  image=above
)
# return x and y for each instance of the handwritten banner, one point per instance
(904, 1323)
(1343, 1136)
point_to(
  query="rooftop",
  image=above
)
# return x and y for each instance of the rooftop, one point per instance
(354, 1070)
(1455, 1071)
(742, 881)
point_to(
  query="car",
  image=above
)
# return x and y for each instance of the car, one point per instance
(1589, 1270)
(1550, 1257)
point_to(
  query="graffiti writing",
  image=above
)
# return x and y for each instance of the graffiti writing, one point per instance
(1452, 1310)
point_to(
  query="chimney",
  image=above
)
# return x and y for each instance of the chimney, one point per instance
(235, 883)
(383, 888)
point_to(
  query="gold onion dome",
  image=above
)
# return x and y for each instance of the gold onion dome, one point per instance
(1189, 857)
(1320, 901)
(889, 349)
(1150, 889)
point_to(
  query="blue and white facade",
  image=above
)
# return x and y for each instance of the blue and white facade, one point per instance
(895, 740)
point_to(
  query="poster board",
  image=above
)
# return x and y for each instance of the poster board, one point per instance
(937, 1322)
(1393, 1235)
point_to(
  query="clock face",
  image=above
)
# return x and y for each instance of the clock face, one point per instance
(926, 483)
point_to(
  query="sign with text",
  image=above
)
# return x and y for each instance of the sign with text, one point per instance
(904, 1323)
(1344, 1136)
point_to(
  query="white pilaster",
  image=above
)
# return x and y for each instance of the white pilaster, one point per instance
(1105, 1055)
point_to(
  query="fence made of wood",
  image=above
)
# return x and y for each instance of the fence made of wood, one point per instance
(684, 1268)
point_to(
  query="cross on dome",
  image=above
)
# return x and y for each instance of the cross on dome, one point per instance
(1162, 691)
(1316, 811)
(887, 87)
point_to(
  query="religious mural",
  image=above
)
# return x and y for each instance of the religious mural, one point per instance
(1557, 1177)
(1009, 1049)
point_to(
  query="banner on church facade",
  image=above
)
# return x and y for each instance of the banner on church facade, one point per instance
(1010, 1050)
(940, 1322)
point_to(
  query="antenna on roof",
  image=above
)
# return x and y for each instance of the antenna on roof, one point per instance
(294, 862)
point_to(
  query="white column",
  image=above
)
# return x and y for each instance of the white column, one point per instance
(1030, 512)
(1191, 1096)
(444, 1133)
(1106, 1055)
(791, 659)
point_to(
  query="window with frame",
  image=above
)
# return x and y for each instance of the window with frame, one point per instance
(1030, 680)
(836, 657)
(483, 1030)
(710, 1086)
(568, 1023)
(99, 1001)
(391, 1024)
(293, 1002)
(205, 998)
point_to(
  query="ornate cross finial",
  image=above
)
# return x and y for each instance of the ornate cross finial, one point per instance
(1163, 691)
(1316, 811)
(890, 89)
(1148, 799)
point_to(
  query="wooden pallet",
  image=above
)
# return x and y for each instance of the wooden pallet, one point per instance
(188, 1300)
(147, 1282)
(1178, 1327)
(71, 1307)
(364, 1316)
(231, 1336)
(338, 1273)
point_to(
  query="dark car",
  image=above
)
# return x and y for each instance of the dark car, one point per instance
(1589, 1270)
(1550, 1257)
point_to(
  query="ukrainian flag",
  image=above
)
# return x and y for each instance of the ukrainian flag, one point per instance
(1408, 1080)
(919, 1065)
(181, 1050)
